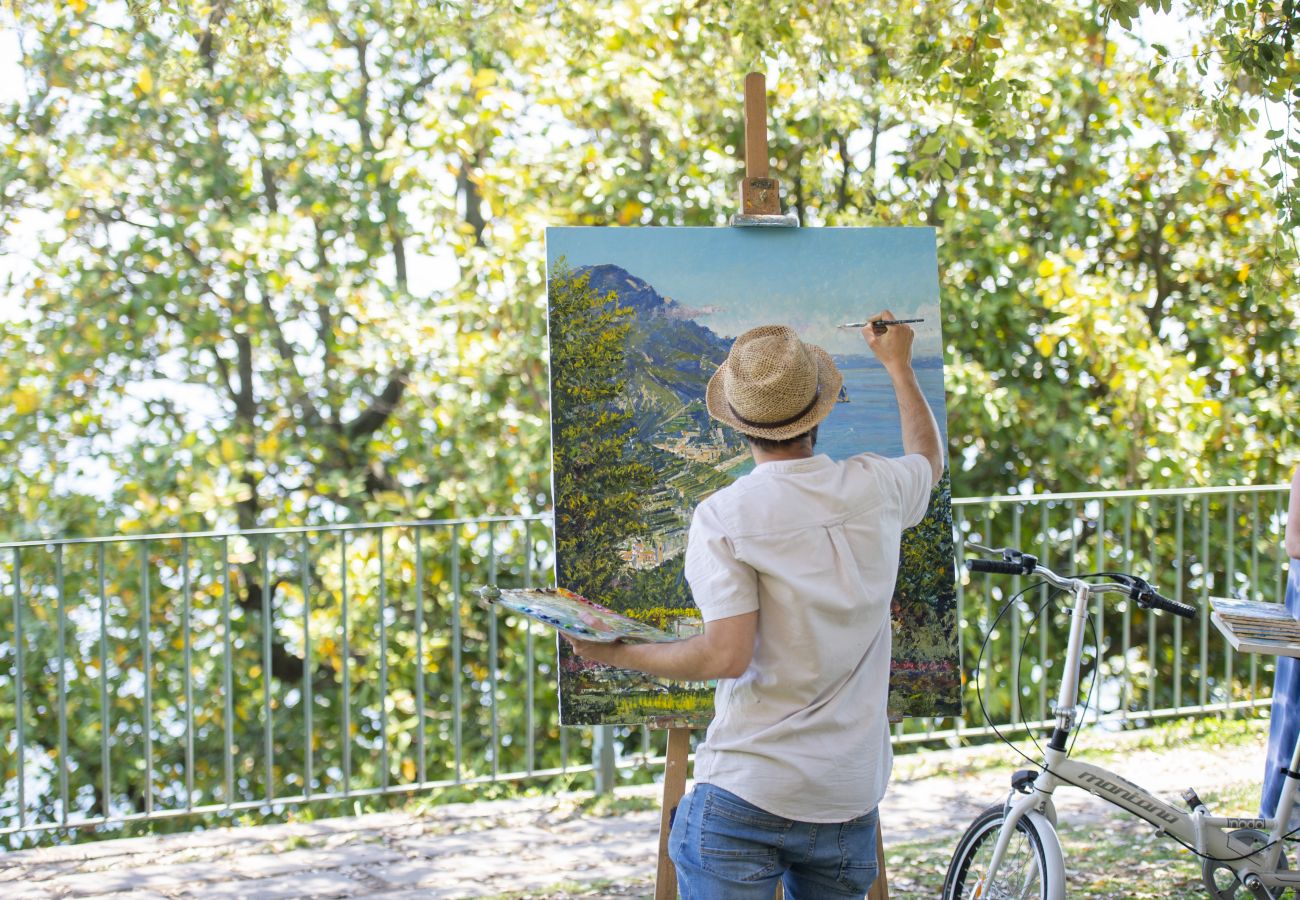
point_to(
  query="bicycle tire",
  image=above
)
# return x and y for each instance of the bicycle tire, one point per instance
(1015, 878)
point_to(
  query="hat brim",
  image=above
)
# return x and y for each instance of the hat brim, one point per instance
(829, 382)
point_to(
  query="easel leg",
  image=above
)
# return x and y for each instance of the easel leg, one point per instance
(879, 887)
(679, 747)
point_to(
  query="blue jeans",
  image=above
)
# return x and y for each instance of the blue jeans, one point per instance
(727, 849)
(1284, 720)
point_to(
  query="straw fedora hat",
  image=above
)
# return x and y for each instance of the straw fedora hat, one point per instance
(773, 385)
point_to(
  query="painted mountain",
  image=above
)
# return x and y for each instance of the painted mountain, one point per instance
(669, 359)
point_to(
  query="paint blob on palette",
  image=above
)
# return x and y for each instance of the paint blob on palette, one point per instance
(574, 615)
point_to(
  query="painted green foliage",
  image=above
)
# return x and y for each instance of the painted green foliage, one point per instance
(600, 482)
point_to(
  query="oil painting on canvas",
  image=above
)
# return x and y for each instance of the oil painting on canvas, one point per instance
(639, 320)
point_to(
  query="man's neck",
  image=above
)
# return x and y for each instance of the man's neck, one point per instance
(802, 450)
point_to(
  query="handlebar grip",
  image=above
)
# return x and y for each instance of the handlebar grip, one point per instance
(1155, 601)
(1001, 566)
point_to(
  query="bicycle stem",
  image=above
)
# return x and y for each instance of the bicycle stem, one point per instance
(1068, 699)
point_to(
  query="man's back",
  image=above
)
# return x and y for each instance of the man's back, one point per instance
(812, 545)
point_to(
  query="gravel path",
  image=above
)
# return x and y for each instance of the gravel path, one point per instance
(543, 847)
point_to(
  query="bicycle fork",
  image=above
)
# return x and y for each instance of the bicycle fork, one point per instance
(1038, 801)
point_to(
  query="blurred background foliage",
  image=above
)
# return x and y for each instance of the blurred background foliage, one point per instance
(272, 263)
(276, 262)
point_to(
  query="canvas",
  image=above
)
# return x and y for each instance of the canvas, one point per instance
(640, 319)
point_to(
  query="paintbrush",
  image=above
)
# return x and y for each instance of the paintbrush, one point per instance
(878, 326)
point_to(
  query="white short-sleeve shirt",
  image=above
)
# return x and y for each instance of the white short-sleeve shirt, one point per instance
(812, 545)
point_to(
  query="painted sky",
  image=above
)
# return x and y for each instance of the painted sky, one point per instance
(811, 279)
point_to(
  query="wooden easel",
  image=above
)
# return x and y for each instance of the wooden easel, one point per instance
(760, 205)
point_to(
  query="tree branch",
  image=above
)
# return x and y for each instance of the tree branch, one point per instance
(370, 421)
(311, 415)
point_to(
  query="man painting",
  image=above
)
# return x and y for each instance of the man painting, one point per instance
(793, 567)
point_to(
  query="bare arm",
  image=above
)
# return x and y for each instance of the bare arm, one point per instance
(1293, 518)
(724, 650)
(920, 430)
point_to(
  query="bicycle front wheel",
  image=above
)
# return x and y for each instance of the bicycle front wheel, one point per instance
(1024, 873)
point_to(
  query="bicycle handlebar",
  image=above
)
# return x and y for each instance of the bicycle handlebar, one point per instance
(1152, 600)
(1001, 566)
(1014, 562)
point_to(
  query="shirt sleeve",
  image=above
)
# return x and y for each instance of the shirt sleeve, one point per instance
(912, 476)
(721, 584)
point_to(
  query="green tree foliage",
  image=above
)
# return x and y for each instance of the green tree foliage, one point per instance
(228, 318)
(600, 482)
(1247, 50)
(285, 258)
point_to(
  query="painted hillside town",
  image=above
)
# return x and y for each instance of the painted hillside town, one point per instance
(656, 368)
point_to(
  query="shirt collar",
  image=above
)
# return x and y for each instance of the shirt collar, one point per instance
(782, 466)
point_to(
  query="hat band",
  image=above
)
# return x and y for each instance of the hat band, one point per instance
(784, 422)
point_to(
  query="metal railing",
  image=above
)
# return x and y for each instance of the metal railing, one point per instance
(147, 677)
(1191, 543)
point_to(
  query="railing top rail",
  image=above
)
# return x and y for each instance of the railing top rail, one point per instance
(544, 516)
(1121, 495)
(255, 532)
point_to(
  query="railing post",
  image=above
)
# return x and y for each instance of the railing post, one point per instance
(602, 758)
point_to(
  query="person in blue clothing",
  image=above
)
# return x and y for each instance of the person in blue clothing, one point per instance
(1284, 721)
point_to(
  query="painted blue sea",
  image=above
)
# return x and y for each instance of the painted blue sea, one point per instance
(868, 422)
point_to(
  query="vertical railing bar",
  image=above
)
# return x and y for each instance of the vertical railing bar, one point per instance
(455, 648)
(1016, 615)
(1254, 595)
(1074, 535)
(347, 666)
(985, 611)
(1153, 512)
(1075, 529)
(227, 678)
(1100, 610)
(105, 761)
(494, 654)
(383, 662)
(529, 722)
(20, 700)
(146, 604)
(268, 715)
(1279, 544)
(1204, 695)
(1126, 695)
(419, 656)
(187, 660)
(63, 684)
(1178, 596)
(1229, 676)
(304, 556)
(959, 546)
(1044, 532)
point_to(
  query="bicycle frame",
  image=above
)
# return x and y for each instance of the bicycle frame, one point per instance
(1207, 834)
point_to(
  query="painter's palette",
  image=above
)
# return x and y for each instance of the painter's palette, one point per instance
(574, 615)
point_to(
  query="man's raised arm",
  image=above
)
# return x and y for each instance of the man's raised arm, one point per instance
(920, 430)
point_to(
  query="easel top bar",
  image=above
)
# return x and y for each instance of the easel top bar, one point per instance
(760, 194)
(757, 164)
